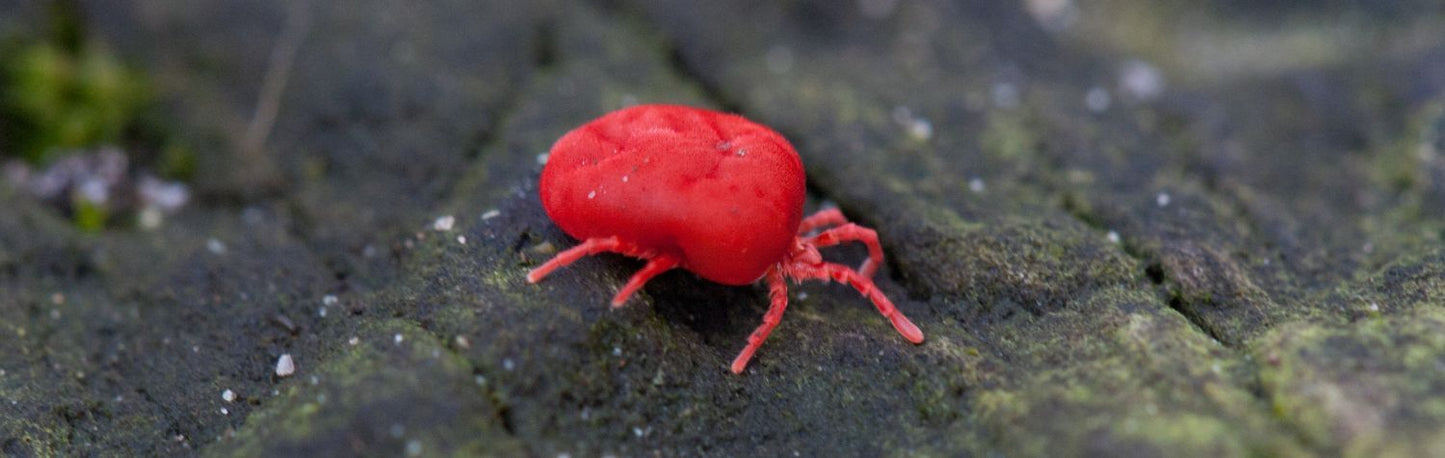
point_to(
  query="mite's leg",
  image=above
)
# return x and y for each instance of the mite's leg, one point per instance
(842, 274)
(586, 248)
(656, 265)
(778, 293)
(824, 217)
(853, 233)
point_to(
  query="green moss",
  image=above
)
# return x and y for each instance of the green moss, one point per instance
(67, 99)
(386, 393)
(1371, 388)
(89, 216)
(1008, 136)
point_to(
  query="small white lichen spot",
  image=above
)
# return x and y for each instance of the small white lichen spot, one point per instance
(1141, 80)
(150, 218)
(228, 395)
(225, 411)
(1005, 95)
(462, 239)
(1113, 237)
(216, 247)
(920, 129)
(353, 340)
(397, 338)
(976, 185)
(1053, 15)
(444, 223)
(1162, 199)
(413, 447)
(1097, 99)
(463, 342)
(489, 214)
(329, 299)
(1374, 306)
(285, 366)
(508, 364)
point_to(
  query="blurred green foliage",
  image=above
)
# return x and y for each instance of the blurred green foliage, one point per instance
(55, 99)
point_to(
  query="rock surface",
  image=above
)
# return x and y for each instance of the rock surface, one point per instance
(1127, 228)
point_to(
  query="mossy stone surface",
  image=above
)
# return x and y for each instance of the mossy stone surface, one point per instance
(1111, 249)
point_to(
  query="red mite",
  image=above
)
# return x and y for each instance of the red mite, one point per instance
(709, 192)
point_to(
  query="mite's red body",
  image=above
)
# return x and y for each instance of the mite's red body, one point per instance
(710, 192)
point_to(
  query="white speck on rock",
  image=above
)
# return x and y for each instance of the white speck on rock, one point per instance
(920, 129)
(1113, 237)
(462, 239)
(353, 340)
(1005, 95)
(216, 247)
(225, 411)
(1097, 99)
(285, 366)
(397, 338)
(150, 218)
(508, 364)
(976, 185)
(542, 158)
(321, 311)
(1162, 199)
(413, 447)
(228, 395)
(489, 214)
(463, 342)
(444, 223)
(329, 299)
(1141, 79)
(1053, 15)
(1374, 306)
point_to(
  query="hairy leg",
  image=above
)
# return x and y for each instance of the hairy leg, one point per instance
(853, 233)
(842, 274)
(656, 265)
(778, 293)
(823, 218)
